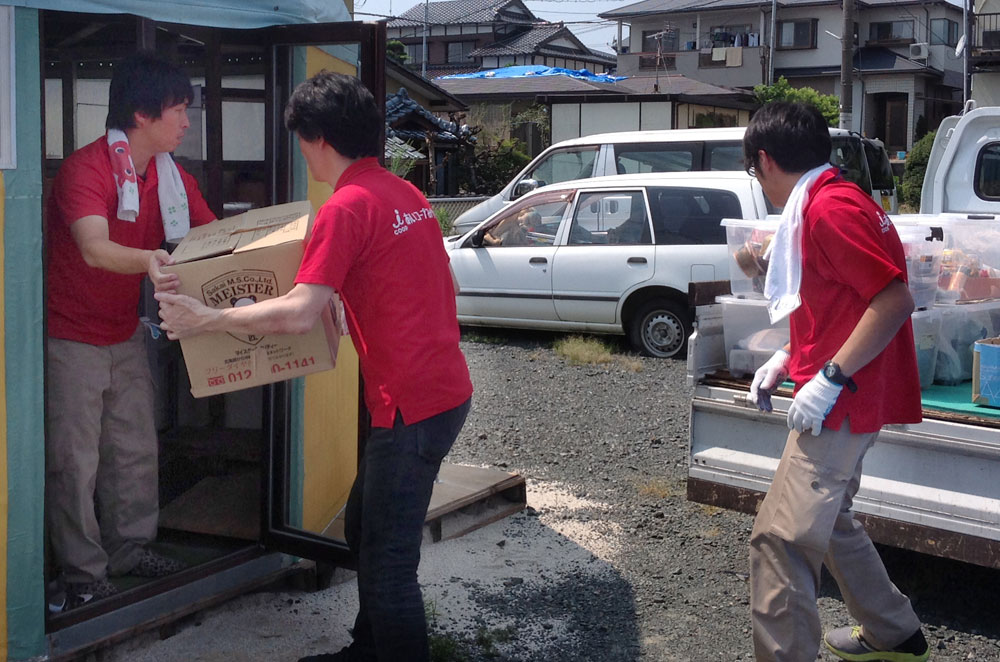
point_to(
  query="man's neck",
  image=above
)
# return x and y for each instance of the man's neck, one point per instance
(142, 153)
(338, 166)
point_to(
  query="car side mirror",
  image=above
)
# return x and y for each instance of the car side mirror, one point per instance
(476, 240)
(524, 186)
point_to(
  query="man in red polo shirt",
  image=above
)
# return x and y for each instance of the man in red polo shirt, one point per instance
(377, 243)
(837, 267)
(112, 205)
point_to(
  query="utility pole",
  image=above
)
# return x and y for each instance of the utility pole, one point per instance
(847, 66)
(423, 47)
(967, 23)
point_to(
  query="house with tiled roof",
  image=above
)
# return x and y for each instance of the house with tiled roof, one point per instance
(905, 67)
(469, 35)
(435, 139)
(579, 106)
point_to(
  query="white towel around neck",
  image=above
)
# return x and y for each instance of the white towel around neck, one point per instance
(170, 190)
(784, 255)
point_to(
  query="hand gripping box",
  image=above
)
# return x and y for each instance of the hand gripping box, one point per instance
(239, 261)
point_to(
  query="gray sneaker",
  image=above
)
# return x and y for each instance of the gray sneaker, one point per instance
(848, 644)
(74, 595)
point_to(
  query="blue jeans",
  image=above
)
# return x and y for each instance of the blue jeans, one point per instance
(384, 524)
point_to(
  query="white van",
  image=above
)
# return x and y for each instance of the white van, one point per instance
(862, 160)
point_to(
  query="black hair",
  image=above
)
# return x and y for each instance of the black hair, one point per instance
(147, 84)
(795, 135)
(340, 110)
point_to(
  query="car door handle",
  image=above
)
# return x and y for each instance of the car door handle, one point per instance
(538, 260)
(637, 260)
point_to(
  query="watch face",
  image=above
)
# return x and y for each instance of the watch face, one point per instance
(830, 371)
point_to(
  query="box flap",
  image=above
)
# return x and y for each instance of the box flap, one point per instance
(257, 228)
(216, 238)
(276, 225)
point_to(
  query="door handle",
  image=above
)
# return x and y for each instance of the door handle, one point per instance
(538, 260)
(637, 260)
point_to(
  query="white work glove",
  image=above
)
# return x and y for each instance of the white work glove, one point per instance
(812, 403)
(767, 378)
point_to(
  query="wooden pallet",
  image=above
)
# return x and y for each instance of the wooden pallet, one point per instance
(464, 499)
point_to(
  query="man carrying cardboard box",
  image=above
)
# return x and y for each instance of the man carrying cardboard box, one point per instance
(112, 205)
(377, 243)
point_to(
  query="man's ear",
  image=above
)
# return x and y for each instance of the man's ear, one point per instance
(141, 119)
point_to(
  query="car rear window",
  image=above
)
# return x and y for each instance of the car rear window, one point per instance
(658, 157)
(724, 156)
(848, 155)
(879, 167)
(691, 215)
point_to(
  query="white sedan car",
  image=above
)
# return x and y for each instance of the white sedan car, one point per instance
(603, 255)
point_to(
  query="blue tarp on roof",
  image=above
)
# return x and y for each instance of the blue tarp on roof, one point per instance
(538, 70)
(213, 13)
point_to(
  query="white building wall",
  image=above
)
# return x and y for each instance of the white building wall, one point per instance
(656, 115)
(565, 121)
(603, 117)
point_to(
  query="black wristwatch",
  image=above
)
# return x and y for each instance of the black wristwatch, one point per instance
(832, 372)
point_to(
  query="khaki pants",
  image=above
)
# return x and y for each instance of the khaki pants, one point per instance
(101, 500)
(804, 522)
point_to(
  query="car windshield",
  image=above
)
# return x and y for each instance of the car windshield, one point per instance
(563, 165)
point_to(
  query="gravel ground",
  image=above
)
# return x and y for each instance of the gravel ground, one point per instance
(609, 563)
(618, 438)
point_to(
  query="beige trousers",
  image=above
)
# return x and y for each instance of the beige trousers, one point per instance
(101, 500)
(805, 521)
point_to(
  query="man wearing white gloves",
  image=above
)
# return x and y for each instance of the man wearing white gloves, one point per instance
(837, 268)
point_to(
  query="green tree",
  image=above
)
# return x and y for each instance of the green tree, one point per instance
(396, 51)
(913, 175)
(781, 90)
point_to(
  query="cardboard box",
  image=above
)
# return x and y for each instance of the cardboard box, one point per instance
(986, 372)
(239, 261)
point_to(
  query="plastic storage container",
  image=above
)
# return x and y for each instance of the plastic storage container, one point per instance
(747, 332)
(747, 241)
(970, 265)
(961, 327)
(926, 331)
(924, 251)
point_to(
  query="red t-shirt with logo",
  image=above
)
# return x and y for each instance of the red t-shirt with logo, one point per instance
(850, 253)
(92, 305)
(377, 242)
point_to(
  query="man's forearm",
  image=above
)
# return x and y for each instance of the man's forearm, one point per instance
(294, 312)
(267, 317)
(109, 256)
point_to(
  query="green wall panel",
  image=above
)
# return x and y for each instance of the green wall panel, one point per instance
(22, 283)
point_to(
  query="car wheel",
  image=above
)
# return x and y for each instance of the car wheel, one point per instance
(660, 328)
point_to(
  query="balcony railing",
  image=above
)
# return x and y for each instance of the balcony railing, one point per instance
(985, 41)
(689, 60)
(661, 61)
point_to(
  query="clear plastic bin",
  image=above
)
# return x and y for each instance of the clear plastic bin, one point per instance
(926, 331)
(748, 334)
(961, 327)
(747, 241)
(923, 262)
(970, 264)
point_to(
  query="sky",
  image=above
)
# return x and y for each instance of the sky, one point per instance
(580, 16)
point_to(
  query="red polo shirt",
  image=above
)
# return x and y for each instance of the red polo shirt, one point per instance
(377, 242)
(850, 253)
(87, 304)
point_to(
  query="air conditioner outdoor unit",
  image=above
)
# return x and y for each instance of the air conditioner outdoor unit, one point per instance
(919, 51)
